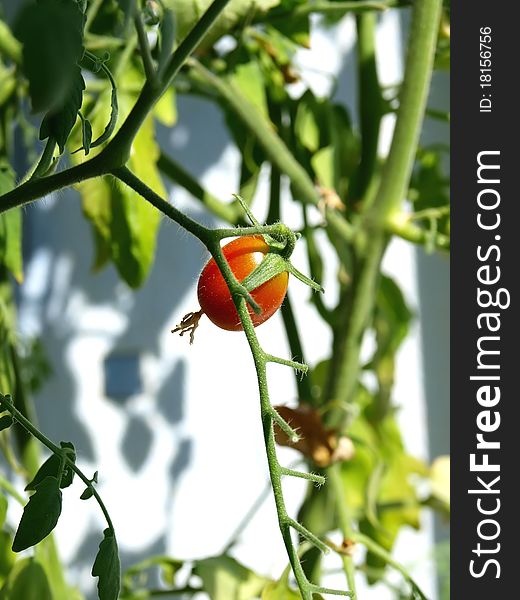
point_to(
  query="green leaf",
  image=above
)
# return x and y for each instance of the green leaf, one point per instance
(440, 480)
(40, 515)
(308, 124)
(87, 493)
(323, 164)
(125, 226)
(247, 77)
(51, 468)
(165, 111)
(59, 122)
(86, 134)
(226, 579)
(135, 222)
(5, 422)
(27, 581)
(114, 112)
(169, 568)
(51, 32)
(10, 228)
(279, 590)
(3, 509)
(296, 28)
(108, 567)
(7, 556)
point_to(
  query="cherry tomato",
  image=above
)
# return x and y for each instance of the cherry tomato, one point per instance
(243, 255)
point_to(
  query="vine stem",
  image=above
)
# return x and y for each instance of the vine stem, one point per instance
(7, 404)
(391, 192)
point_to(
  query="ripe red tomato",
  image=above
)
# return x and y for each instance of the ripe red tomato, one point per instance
(243, 255)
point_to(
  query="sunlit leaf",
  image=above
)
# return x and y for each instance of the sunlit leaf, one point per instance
(10, 227)
(440, 479)
(247, 77)
(279, 590)
(165, 111)
(226, 579)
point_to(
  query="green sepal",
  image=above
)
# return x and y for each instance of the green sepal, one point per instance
(272, 265)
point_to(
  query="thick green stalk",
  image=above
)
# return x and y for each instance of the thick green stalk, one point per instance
(370, 103)
(391, 193)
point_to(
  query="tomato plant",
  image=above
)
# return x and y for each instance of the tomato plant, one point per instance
(103, 76)
(243, 255)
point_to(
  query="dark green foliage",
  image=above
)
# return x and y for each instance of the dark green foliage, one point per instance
(51, 467)
(40, 514)
(107, 567)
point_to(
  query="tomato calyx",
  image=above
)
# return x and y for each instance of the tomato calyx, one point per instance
(189, 324)
(273, 264)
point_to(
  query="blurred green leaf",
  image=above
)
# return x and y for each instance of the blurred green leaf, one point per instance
(27, 581)
(10, 227)
(5, 422)
(226, 579)
(279, 590)
(51, 32)
(323, 164)
(187, 13)
(59, 122)
(168, 567)
(3, 509)
(7, 556)
(40, 515)
(165, 111)
(247, 77)
(108, 567)
(124, 225)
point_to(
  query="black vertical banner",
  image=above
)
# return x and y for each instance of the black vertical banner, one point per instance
(485, 363)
